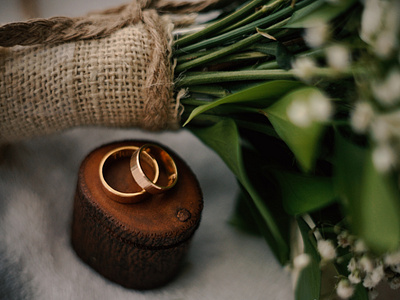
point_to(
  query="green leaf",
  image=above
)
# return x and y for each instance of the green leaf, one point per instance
(266, 48)
(303, 141)
(360, 293)
(264, 93)
(308, 284)
(213, 90)
(371, 198)
(378, 217)
(317, 12)
(224, 139)
(245, 215)
(283, 57)
(304, 193)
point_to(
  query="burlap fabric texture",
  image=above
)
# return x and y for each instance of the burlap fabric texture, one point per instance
(74, 78)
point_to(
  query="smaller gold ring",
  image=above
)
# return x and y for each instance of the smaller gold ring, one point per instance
(164, 161)
(125, 151)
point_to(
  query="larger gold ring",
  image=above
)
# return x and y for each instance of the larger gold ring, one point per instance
(165, 163)
(114, 155)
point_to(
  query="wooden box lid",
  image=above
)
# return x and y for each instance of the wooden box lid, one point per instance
(105, 232)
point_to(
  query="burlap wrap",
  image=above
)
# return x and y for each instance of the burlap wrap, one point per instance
(122, 80)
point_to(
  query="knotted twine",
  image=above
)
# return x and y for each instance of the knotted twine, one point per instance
(111, 68)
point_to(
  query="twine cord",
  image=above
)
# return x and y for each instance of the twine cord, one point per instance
(94, 25)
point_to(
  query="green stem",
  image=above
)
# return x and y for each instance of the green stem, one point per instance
(191, 56)
(273, 64)
(193, 102)
(266, 9)
(239, 14)
(243, 31)
(195, 78)
(261, 128)
(211, 90)
(219, 53)
(268, 65)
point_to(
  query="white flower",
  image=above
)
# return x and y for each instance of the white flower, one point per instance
(371, 20)
(385, 43)
(301, 261)
(344, 289)
(303, 111)
(321, 107)
(355, 277)
(380, 130)
(377, 274)
(383, 157)
(392, 258)
(326, 249)
(388, 90)
(298, 113)
(386, 126)
(386, 40)
(338, 57)
(360, 247)
(352, 265)
(316, 35)
(362, 116)
(393, 121)
(380, 25)
(304, 67)
(343, 239)
(373, 277)
(366, 264)
(368, 282)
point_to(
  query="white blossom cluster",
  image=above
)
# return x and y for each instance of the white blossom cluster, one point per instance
(364, 267)
(376, 113)
(384, 130)
(316, 107)
(380, 26)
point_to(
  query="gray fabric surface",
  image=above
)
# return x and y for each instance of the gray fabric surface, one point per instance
(37, 185)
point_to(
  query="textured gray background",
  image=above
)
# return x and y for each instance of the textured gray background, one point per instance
(37, 184)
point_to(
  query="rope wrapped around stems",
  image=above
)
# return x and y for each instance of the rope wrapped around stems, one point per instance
(108, 68)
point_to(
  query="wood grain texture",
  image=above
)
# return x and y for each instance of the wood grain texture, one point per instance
(137, 245)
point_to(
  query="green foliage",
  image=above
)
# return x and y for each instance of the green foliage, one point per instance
(303, 141)
(304, 193)
(317, 12)
(308, 285)
(245, 215)
(283, 154)
(370, 198)
(259, 96)
(224, 139)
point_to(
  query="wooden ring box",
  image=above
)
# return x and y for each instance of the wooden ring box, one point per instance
(140, 245)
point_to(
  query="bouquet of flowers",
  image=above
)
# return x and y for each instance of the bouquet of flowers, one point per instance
(301, 100)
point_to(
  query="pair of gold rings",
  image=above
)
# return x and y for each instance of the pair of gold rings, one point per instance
(150, 155)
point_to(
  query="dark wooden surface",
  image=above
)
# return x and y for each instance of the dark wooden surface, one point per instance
(137, 245)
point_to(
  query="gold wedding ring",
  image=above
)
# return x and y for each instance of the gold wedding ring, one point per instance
(166, 164)
(116, 154)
